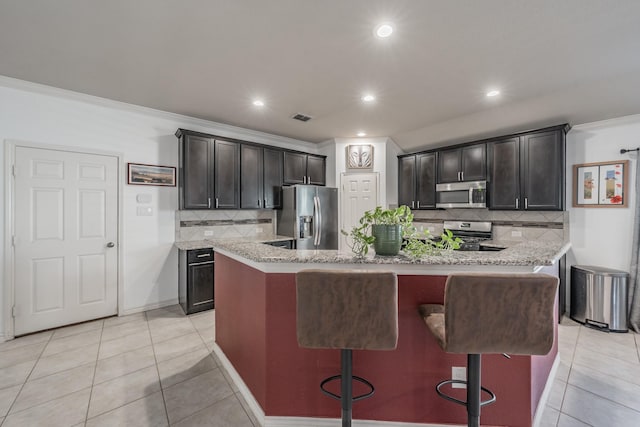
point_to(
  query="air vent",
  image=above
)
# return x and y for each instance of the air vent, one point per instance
(301, 117)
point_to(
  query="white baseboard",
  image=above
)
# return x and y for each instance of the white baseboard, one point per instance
(148, 307)
(542, 403)
(269, 421)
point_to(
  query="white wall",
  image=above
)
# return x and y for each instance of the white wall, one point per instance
(379, 161)
(602, 236)
(45, 115)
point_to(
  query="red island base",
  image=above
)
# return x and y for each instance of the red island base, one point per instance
(256, 331)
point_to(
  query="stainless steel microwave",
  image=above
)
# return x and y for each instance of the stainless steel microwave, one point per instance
(472, 194)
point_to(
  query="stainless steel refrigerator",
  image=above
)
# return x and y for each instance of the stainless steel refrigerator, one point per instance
(309, 214)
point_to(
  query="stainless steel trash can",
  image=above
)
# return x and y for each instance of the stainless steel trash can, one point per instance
(599, 297)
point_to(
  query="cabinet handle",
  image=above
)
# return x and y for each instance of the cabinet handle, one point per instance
(418, 204)
(413, 204)
(258, 202)
(264, 205)
(517, 202)
(203, 256)
(308, 180)
(462, 176)
(216, 203)
(526, 203)
(209, 203)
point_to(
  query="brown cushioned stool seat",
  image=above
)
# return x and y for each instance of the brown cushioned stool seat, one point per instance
(491, 313)
(347, 310)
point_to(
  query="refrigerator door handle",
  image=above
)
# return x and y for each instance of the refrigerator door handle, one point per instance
(316, 220)
(319, 221)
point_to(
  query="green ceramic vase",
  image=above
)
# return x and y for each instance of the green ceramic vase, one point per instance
(388, 238)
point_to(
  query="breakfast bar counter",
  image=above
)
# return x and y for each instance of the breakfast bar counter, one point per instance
(256, 339)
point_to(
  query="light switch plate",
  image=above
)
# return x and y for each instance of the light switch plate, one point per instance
(144, 211)
(516, 233)
(208, 232)
(458, 373)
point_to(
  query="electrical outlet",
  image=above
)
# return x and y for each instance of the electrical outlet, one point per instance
(259, 230)
(516, 233)
(208, 232)
(458, 373)
(431, 229)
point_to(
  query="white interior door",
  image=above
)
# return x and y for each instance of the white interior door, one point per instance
(359, 194)
(66, 228)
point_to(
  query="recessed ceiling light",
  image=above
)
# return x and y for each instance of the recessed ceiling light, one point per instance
(493, 93)
(362, 134)
(258, 103)
(368, 98)
(384, 30)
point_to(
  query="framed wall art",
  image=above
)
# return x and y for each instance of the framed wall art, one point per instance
(360, 156)
(141, 174)
(600, 185)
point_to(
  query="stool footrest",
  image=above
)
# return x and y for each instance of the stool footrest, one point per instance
(355, 398)
(492, 397)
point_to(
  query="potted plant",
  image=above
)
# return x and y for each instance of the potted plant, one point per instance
(382, 228)
(387, 229)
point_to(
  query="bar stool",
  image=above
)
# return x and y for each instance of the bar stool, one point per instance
(347, 310)
(485, 314)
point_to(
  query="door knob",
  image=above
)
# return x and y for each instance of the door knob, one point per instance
(110, 244)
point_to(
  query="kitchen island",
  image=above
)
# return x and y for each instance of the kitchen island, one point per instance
(256, 339)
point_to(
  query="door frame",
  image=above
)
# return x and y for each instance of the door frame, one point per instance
(10, 146)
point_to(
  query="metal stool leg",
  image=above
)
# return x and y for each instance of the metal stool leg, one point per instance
(346, 388)
(473, 390)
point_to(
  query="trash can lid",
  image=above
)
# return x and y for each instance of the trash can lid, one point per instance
(601, 270)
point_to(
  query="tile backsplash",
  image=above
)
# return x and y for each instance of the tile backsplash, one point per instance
(507, 225)
(210, 224)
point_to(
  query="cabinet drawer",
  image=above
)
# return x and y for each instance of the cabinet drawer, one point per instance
(199, 255)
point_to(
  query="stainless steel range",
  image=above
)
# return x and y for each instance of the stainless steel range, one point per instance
(471, 232)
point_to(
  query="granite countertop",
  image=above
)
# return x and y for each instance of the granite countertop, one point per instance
(531, 253)
(212, 243)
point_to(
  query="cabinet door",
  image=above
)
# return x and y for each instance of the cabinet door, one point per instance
(272, 178)
(473, 162)
(195, 181)
(200, 289)
(542, 170)
(407, 181)
(295, 168)
(504, 186)
(316, 170)
(426, 181)
(449, 166)
(227, 175)
(251, 188)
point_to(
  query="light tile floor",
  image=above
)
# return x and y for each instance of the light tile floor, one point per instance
(157, 369)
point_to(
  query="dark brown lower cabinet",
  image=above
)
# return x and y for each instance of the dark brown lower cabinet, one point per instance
(195, 280)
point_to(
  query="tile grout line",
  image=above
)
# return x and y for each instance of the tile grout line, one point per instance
(153, 348)
(95, 370)
(25, 380)
(573, 356)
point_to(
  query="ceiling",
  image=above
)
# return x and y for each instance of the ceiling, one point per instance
(574, 61)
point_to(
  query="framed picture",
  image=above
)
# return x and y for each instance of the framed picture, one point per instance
(141, 174)
(600, 185)
(360, 156)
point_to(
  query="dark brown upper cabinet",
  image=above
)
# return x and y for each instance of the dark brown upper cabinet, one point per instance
(261, 177)
(417, 181)
(209, 172)
(468, 163)
(273, 178)
(301, 168)
(252, 177)
(528, 171)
